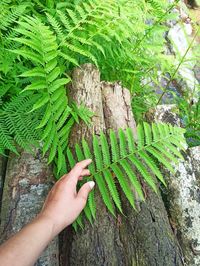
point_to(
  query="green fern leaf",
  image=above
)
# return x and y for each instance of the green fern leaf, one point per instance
(129, 171)
(104, 192)
(80, 156)
(112, 188)
(122, 143)
(162, 148)
(105, 149)
(88, 155)
(70, 158)
(130, 139)
(155, 131)
(143, 172)
(151, 164)
(124, 184)
(97, 153)
(114, 146)
(140, 135)
(147, 131)
(159, 156)
(126, 155)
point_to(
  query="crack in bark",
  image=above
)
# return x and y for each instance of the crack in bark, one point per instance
(4, 161)
(10, 218)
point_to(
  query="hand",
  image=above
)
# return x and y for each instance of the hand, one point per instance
(63, 203)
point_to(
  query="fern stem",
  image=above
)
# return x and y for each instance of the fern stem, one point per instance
(156, 23)
(130, 154)
(78, 25)
(180, 63)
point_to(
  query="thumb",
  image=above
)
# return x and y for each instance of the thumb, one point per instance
(85, 190)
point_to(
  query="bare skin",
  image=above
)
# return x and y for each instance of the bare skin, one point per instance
(62, 206)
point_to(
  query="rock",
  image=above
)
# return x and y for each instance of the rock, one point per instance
(183, 193)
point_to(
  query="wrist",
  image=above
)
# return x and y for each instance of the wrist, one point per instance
(46, 223)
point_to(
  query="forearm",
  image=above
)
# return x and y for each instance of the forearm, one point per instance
(61, 208)
(25, 247)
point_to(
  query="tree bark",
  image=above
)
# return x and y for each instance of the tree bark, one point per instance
(27, 182)
(98, 244)
(143, 238)
(3, 165)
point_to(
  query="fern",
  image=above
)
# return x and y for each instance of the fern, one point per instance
(47, 82)
(116, 163)
(18, 127)
(41, 47)
(38, 49)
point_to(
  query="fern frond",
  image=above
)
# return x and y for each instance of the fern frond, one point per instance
(19, 125)
(122, 143)
(130, 139)
(88, 155)
(129, 171)
(128, 155)
(140, 134)
(47, 82)
(80, 157)
(114, 146)
(70, 157)
(104, 192)
(105, 149)
(161, 158)
(112, 188)
(97, 153)
(148, 134)
(143, 172)
(124, 184)
(162, 148)
(6, 139)
(151, 164)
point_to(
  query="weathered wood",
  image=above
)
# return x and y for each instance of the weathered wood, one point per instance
(143, 238)
(146, 236)
(183, 193)
(27, 182)
(97, 244)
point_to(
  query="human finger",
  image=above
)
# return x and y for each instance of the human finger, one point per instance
(75, 173)
(84, 191)
(85, 172)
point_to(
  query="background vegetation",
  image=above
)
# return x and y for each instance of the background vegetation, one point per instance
(41, 42)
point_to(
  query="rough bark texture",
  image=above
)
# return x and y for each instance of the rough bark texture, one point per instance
(27, 181)
(143, 238)
(97, 245)
(150, 225)
(183, 194)
(3, 163)
(1, 178)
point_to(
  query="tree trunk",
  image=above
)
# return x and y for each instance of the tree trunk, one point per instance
(143, 238)
(27, 182)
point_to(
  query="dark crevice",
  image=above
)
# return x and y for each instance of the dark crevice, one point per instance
(191, 3)
(3, 166)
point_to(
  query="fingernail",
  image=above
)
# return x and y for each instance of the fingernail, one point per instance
(91, 184)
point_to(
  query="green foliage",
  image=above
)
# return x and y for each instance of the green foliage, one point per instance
(18, 126)
(41, 43)
(114, 165)
(190, 117)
